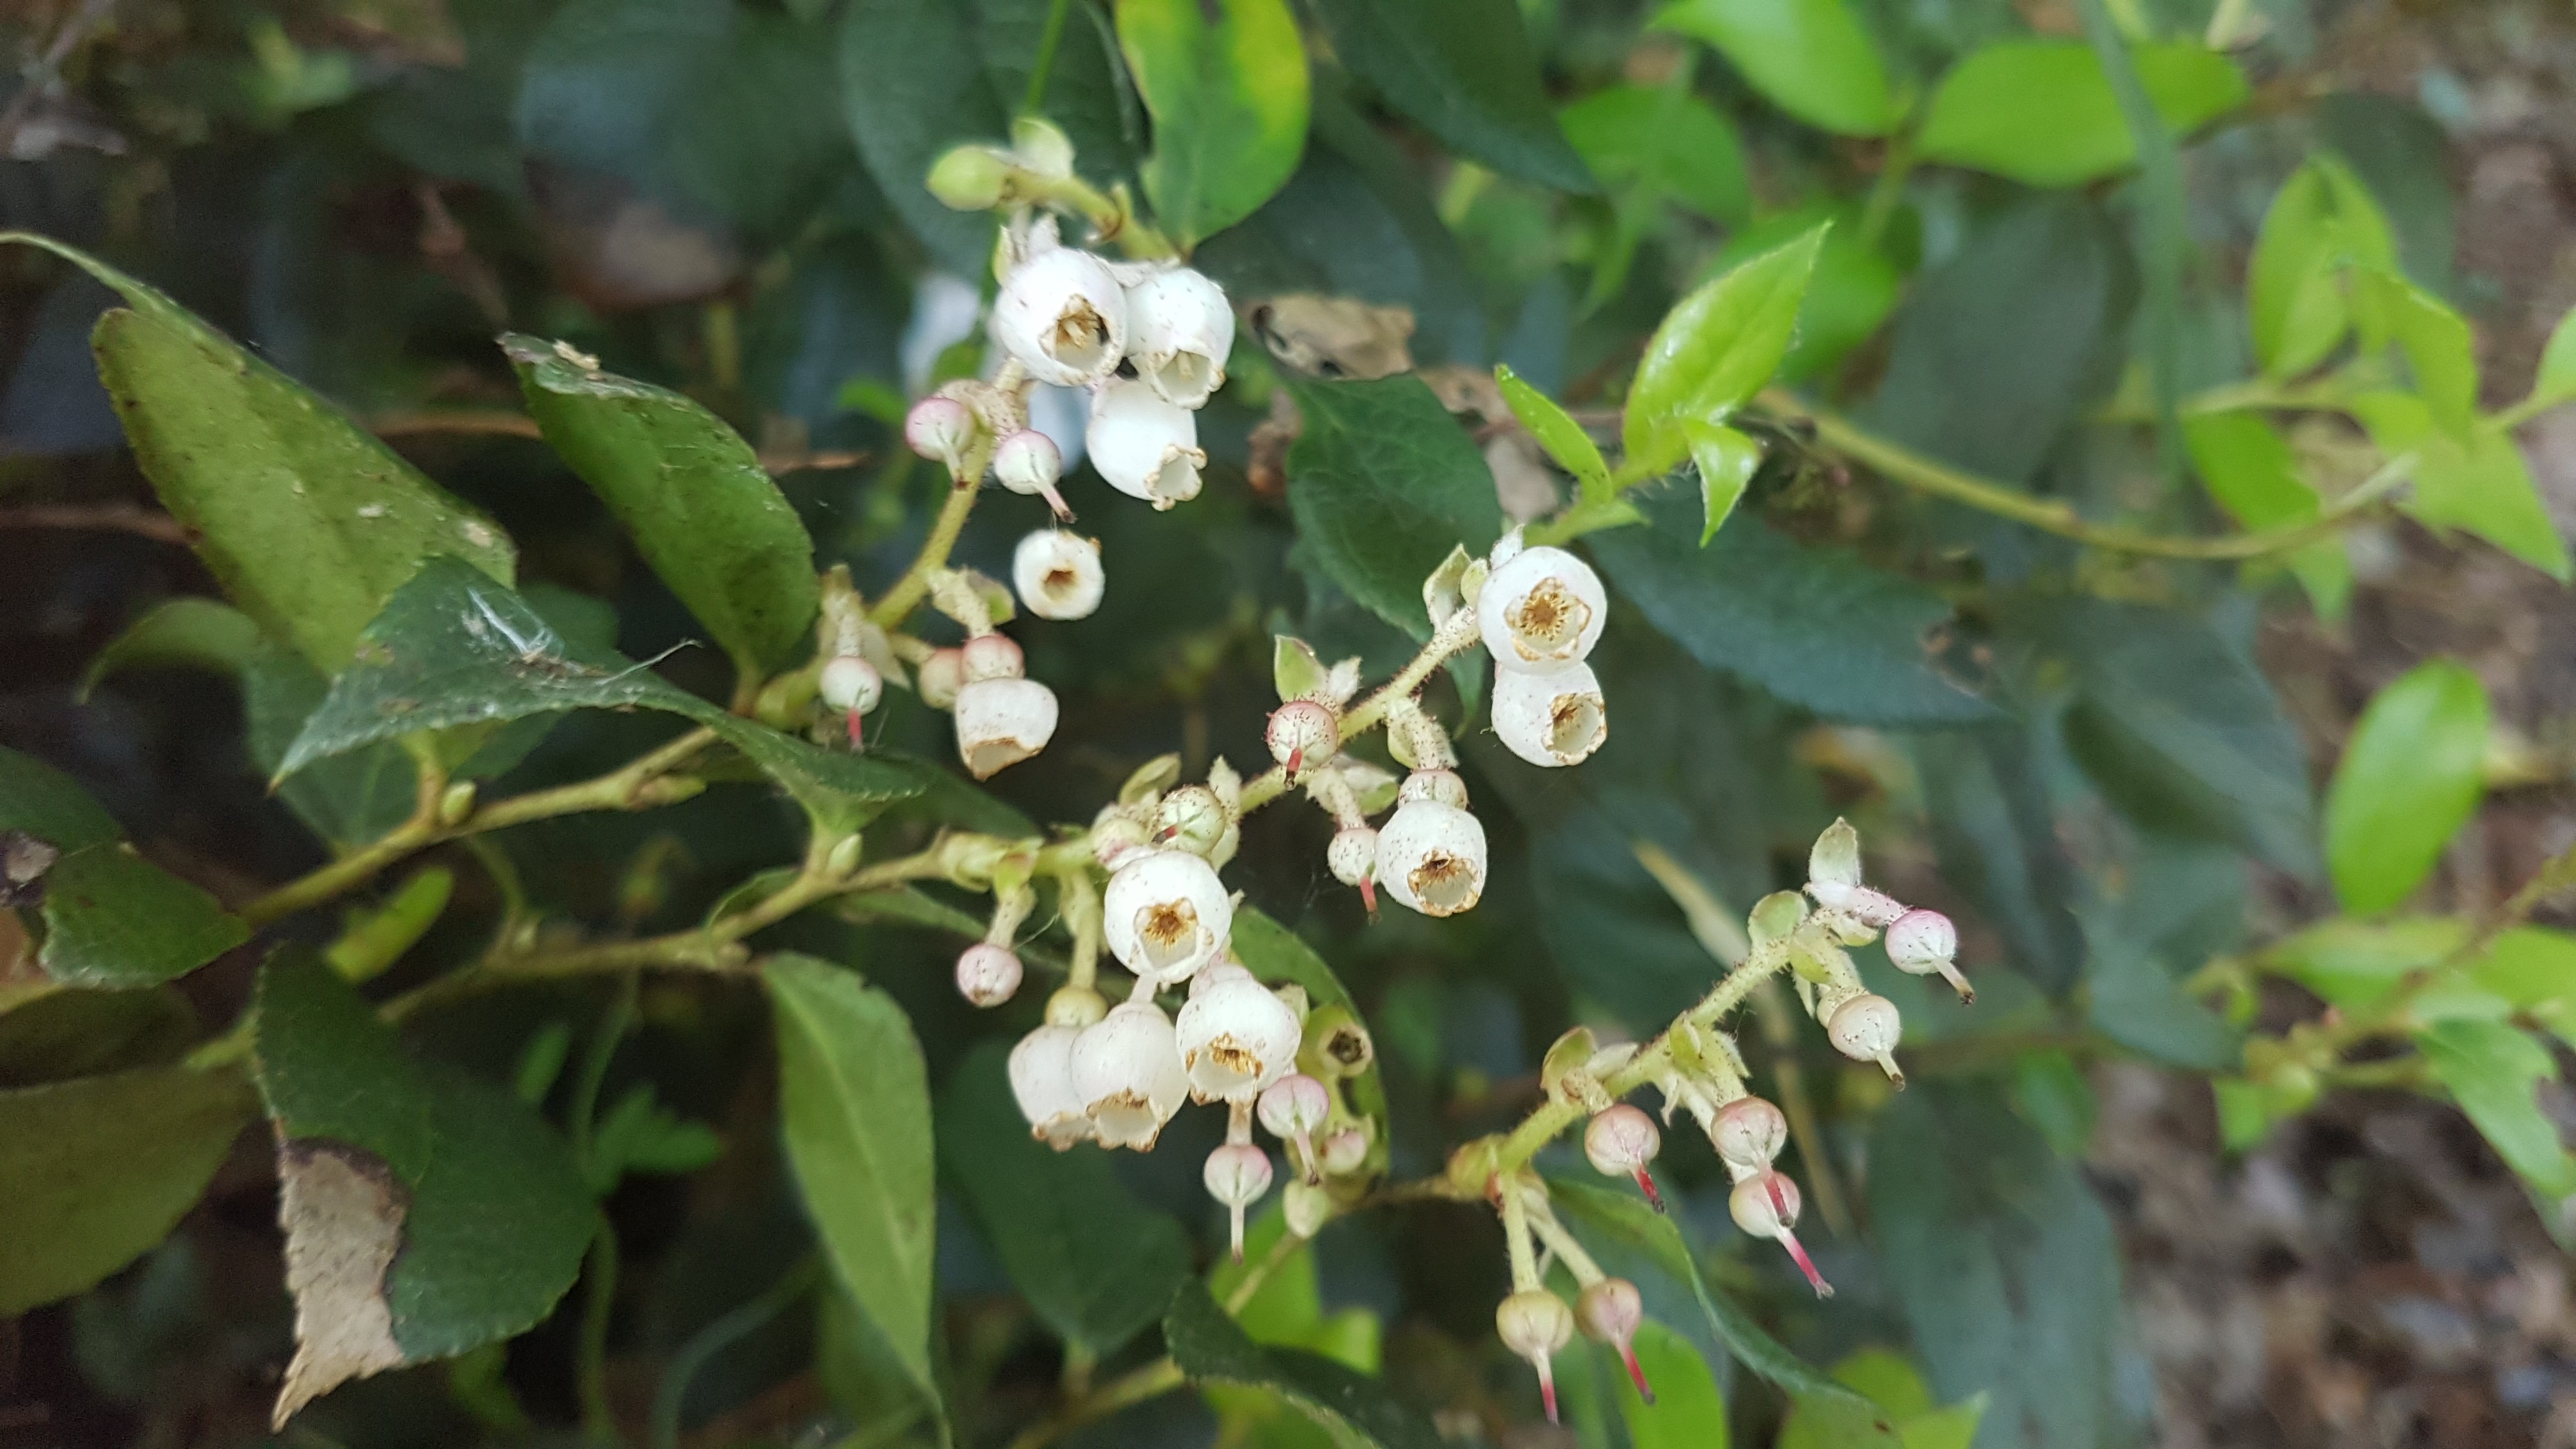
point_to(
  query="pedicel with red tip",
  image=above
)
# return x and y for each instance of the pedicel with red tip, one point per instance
(1646, 1185)
(1786, 1207)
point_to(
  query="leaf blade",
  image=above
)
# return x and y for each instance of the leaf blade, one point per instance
(1226, 84)
(2412, 773)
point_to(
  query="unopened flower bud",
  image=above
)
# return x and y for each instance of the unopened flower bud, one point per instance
(1001, 722)
(1165, 915)
(1620, 1141)
(1431, 858)
(991, 656)
(1535, 1323)
(852, 685)
(1866, 1029)
(1076, 1006)
(1041, 1070)
(1127, 1075)
(941, 429)
(1748, 1133)
(1303, 734)
(1923, 943)
(940, 676)
(1343, 1150)
(1765, 1205)
(1237, 1174)
(1028, 461)
(1179, 331)
(1236, 1038)
(1058, 574)
(1542, 611)
(1064, 316)
(1042, 146)
(1610, 1311)
(1293, 1108)
(1309, 1208)
(1118, 837)
(970, 178)
(1145, 447)
(988, 975)
(1442, 787)
(1191, 818)
(1550, 719)
(1353, 859)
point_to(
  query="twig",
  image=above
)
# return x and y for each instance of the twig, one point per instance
(1134, 1387)
(105, 517)
(497, 423)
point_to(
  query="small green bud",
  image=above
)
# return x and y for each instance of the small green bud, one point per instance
(844, 857)
(971, 178)
(456, 804)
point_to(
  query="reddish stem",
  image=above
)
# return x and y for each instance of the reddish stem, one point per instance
(1646, 1185)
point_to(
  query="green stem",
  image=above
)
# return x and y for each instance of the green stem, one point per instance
(1456, 636)
(1134, 1387)
(1888, 190)
(2161, 223)
(598, 1417)
(1035, 99)
(716, 1337)
(915, 583)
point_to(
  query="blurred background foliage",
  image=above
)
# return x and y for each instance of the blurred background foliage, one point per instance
(2110, 767)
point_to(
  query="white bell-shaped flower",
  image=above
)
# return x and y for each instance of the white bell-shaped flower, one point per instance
(853, 686)
(1550, 719)
(1542, 611)
(1622, 1141)
(1001, 722)
(1236, 1038)
(1127, 1075)
(1295, 1108)
(1165, 915)
(1303, 734)
(1058, 574)
(1179, 330)
(1041, 1072)
(1063, 315)
(1146, 447)
(1431, 858)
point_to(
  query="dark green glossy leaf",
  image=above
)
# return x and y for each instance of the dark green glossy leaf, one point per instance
(1816, 627)
(1715, 350)
(2178, 904)
(348, 799)
(1383, 483)
(109, 917)
(181, 633)
(1087, 92)
(1211, 1348)
(2251, 472)
(912, 86)
(1998, 845)
(307, 520)
(1226, 84)
(51, 1034)
(1465, 70)
(1810, 58)
(1097, 1266)
(2492, 1070)
(855, 1107)
(691, 493)
(2042, 112)
(2411, 775)
(101, 1168)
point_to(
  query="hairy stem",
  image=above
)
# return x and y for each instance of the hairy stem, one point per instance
(1451, 638)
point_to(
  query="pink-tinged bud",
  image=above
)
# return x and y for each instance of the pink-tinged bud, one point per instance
(1063, 315)
(1237, 1174)
(1441, 787)
(988, 975)
(1001, 722)
(941, 429)
(1029, 462)
(1041, 1071)
(991, 656)
(1431, 858)
(1292, 1108)
(1923, 943)
(1115, 838)
(1748, 1133)
(1873, 907)
(1344, 1150)
(1145, 447)
(1535, 1323)
(1165, 915)
(1765, 1205)
(1542, 611)
(1303, 735)
(1191, 818)
(1127, 1075)
(1552, 719)
(1610, 1311)
(1621, 1140)
(852, 685)
(1058, 574)
(1236, 1038)
(1353, 859)
(940, 677)
(1867, 1029)
(1179, 331)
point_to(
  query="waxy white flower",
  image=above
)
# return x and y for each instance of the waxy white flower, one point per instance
(1439, 786)
(1344, 1149)
(1237, 1174)
(1147, 448)
(988, 975)
(1534, 1324)
(1431, 858)
(1192, 818)
(941, 429)
(1620, 1141)
(1001, 722)
(1610, 1311)
(1748, 1133)
(853, 686)
(940, 677)
(1062, 314)
(1165, 915)
(1765, 1205)
(1352, 857)
(1294, 1108)
(1236, 1038)
(990, 656)
(1041, 1071)
(1029, 462)
(1127, 1075)
(1866, 1028)
(1179, 330)
(1925, 943)
(1058, 574)
(1550, 719)
(1541, 611)
(1303, 734)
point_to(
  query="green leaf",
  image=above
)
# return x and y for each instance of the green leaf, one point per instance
(2321, 222)
(1653, 144)
(1095, 1264)
(1225, 81)
(108, 917)
(1211, 1348)
(2042, 112)
(101, 1168)
(1087, 92)
(911, 87)
(2556, 381)
(2478, 482)
(1383, 483)
(2434, 338)
(1727, 461)
(49, 1034)
(1466, 71)
(1811, 58)
(306, 519)
(1892, 1381)
(1814, 626)
(2531, 968)
(181, 633)
(2004, 1263)
(349, 799)
(690, 492)
(1562, 437)
(2253, 475)
(1715, 350)
(2411, 775)
(639, 1134)
(1273, 953)
(1627, 1219)
(427, 1212)
(856, 1112)
(1689, 1412)
(1997, 843)
(2492, 1070)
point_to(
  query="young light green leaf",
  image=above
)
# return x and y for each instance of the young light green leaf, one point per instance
(1211, 1348)
(180, 633)
(2042, 112)
(1295, 672)
(427, 1212)
(2478, 482)
(2252, 474)
(855, 1107)
(1095, 1264)
(1227, 86)
(2322, 221)
(1688, 1412)
(1727, 461)
(2411, 775)
(1890, 1380)
(2556, 380)
(912, 86)
(2434, 338)
(307, 520)
(101, 1168)
(691, 493)
(1562, 437)
(2533, 969)
(1715, 350)
(1811, 58)
(1653, 144)
(1466, 71)
(2492, 1070)
(1383, 483)
(109, 917)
